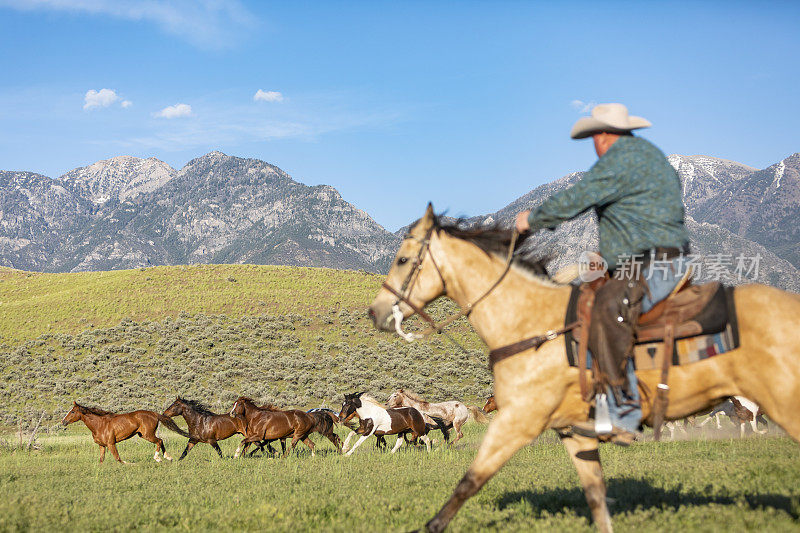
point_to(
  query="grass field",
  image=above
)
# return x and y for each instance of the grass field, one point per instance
(722, 485)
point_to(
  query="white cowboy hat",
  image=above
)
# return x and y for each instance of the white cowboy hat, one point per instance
(612, 118)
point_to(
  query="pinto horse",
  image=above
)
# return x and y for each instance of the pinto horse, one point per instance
(268, 423)
(453, 412)
(378, 420)
(110, 428)
(537, 389)
(204, 426)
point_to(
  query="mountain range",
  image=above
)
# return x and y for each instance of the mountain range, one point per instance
(127, 212)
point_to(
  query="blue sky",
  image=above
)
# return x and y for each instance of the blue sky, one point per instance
(466, 104)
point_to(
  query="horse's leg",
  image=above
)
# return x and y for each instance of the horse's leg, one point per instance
(102, 453)
(585, 457)
(400, 440)
(150, 436)
(741, 429)
(113, 447)
(507, 433)
(457, 426)
(357, 444)
(346, 445)
(310, 444)
(214, 445)
(189, 446)
(427, 440)
(334, 438)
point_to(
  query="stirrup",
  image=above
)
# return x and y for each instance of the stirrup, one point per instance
(602, 417)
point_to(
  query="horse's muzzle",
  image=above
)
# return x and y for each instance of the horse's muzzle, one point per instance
(382, 320)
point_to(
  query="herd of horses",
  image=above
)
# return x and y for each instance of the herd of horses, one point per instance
(407, 415)
(511, 302)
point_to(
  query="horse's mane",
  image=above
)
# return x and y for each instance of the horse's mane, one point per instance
(373, 401)
(94, 410)
(269, 407)
(495, 239)
(196, 405)
(412, 395)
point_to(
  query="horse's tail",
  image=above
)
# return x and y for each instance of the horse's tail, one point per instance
(477, 414)
(442, 426)
(167, 421)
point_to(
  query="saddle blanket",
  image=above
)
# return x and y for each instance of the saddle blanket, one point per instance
(722, 337)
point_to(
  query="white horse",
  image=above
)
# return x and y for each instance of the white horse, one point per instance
(378, 420)
(748, 411)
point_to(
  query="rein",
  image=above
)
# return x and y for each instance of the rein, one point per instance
(404, 294)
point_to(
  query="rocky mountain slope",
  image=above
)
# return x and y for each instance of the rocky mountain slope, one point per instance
(127, 212)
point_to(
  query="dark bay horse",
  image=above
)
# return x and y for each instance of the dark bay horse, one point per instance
(204, 426)
(325, 421)
(378, 420)
(268, 423)
(537, 389)
(110, 428)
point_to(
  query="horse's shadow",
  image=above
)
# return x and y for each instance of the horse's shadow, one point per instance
(629, 494)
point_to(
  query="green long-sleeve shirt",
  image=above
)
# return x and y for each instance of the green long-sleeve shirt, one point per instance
(636, 194)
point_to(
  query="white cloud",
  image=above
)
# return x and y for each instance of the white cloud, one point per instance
(175, 111)
(267, 96)
(213, 24)
(101, 98)
(581, 106)
(126, 103)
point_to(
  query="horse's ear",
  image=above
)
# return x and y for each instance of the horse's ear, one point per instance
(74, 402)
(358, 394)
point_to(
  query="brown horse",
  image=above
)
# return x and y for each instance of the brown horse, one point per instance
(490, 405)
(537, 389)
(268, 423)
(453, 412)
(204, 426)
(324, 422)
(110, 428)
(378, 420)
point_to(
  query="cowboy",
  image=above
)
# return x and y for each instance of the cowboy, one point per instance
(636, 195)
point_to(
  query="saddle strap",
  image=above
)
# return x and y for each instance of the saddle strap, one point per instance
(662, 394)
(504, 352)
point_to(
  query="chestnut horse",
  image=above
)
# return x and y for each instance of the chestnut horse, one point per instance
(537, 389)
(110, 428)
(490, 405)
(378, 420)
(268, 423)
(204, 426)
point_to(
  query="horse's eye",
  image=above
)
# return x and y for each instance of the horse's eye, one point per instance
(402, 260)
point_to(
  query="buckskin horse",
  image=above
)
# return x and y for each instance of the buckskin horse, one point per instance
(509, 300)
(204, 426)
(110, 428)
(453, 412)
(379, 420)
(268, 423)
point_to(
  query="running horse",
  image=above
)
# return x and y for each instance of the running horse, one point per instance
(204, 426)
(509, 301)
(453, 412)
(268, 423)
(110, 428)
(379, 421)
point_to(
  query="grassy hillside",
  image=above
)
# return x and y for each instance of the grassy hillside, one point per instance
(136, 338)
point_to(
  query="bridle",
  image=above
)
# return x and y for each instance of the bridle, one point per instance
(404, 294)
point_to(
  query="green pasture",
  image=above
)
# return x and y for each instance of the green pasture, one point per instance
(721, 485)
